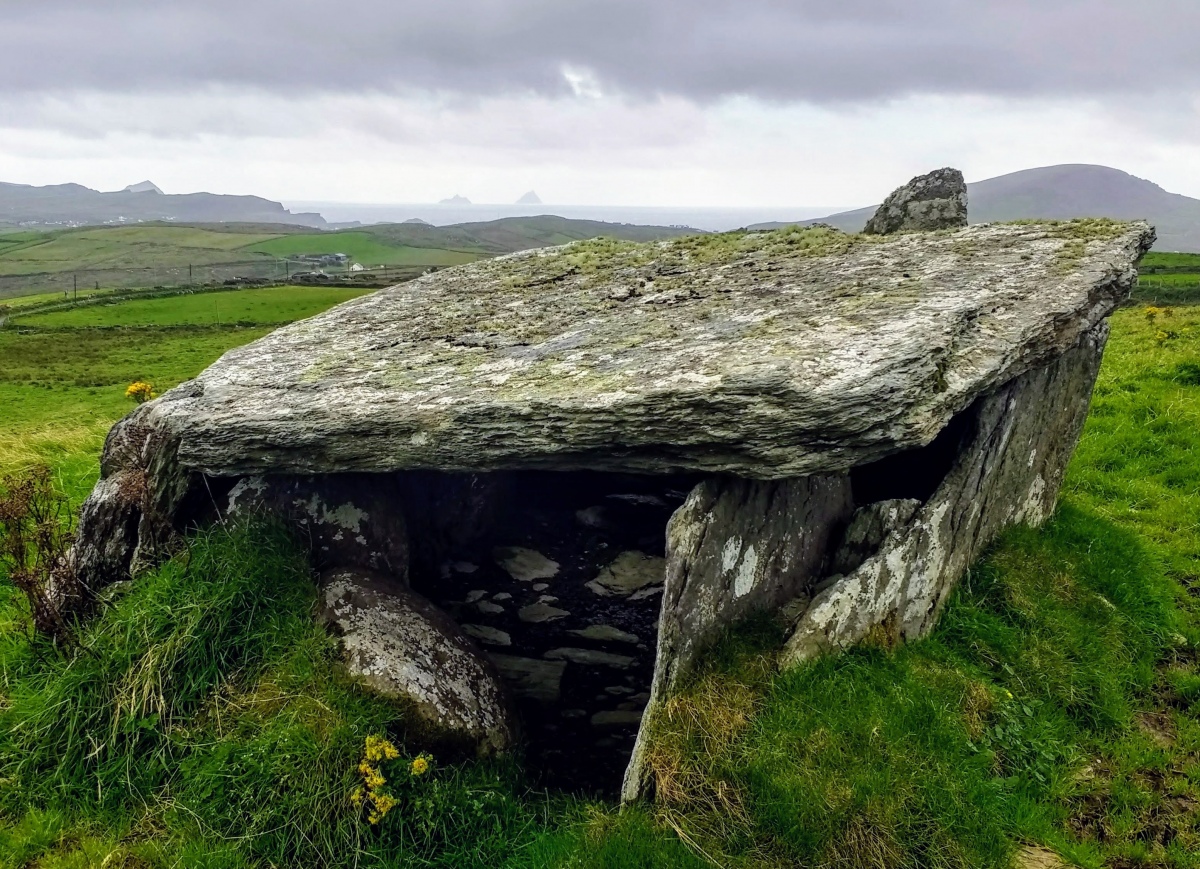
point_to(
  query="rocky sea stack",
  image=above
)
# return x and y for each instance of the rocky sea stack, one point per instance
(560, 474)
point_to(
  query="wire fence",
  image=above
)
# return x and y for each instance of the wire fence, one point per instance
(211, 274)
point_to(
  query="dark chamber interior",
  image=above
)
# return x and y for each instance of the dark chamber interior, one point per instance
(578, 658)
(916, 473)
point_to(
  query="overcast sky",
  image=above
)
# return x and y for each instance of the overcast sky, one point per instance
(636, 102)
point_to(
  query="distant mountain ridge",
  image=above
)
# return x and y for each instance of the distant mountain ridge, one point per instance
(76, 205)
(1064, 192)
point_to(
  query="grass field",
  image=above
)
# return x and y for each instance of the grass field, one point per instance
(264, 306)
(124, 248)
(1057, 706)
(362, 248)
(1171, 278)
(149, 255)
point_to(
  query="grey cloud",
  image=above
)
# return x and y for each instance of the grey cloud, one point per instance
(825, 51)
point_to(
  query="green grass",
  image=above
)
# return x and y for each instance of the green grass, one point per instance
(1169, 278)
(265, 306)
(61, 391)
(1160, 260)
(363, 248)
(1057, 704)
(125, 247)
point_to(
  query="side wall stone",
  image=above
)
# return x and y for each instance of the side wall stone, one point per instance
(736, 547)
(1009, 472)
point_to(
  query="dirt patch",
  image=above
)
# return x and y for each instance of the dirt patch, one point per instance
(1158, 726)
(1033, 857)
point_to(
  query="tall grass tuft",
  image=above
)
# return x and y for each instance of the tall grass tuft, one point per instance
(94, 725)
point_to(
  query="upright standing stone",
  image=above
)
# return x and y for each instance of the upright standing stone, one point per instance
(934, 201)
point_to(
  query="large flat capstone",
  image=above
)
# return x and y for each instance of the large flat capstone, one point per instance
(766, 355)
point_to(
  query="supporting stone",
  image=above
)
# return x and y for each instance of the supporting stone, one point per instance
(348, 520)
(1009, 471)
(734, 548)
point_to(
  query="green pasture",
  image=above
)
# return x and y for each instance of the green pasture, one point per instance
(266, 305)
(202, 721)
(39, 299)
(1162, 260)
(160, 254)
(1169, 278)
(125, 248)
(362, 247)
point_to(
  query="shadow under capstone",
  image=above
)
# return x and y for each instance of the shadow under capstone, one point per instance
(558, 577)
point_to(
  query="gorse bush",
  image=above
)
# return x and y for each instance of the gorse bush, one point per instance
(139, 392)
(35, 533)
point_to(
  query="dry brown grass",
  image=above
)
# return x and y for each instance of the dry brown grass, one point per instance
(691, 754)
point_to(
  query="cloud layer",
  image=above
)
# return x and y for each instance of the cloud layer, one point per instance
(821, 51)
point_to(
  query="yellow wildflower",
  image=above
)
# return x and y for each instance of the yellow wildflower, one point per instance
(378, 749)
(420, 766)
(384, 803)
(141, 392)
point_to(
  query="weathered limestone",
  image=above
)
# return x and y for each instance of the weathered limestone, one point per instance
(765, 355)
(737, 547)
(404, 647)
(734, 548)
(929, 202)
(838, 423)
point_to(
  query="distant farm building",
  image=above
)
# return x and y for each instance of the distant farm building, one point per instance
(324, 259)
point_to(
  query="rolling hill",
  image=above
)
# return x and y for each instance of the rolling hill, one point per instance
(1065, 192)
(151, 254)
(76, 205)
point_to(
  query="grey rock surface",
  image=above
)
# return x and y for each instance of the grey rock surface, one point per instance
(766, 355)
(630, 574)
(404, 647)
(347, 520)
(929, 202)
(540, 681)
(735, 548)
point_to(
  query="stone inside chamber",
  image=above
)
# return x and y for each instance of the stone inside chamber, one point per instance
(558, 577)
